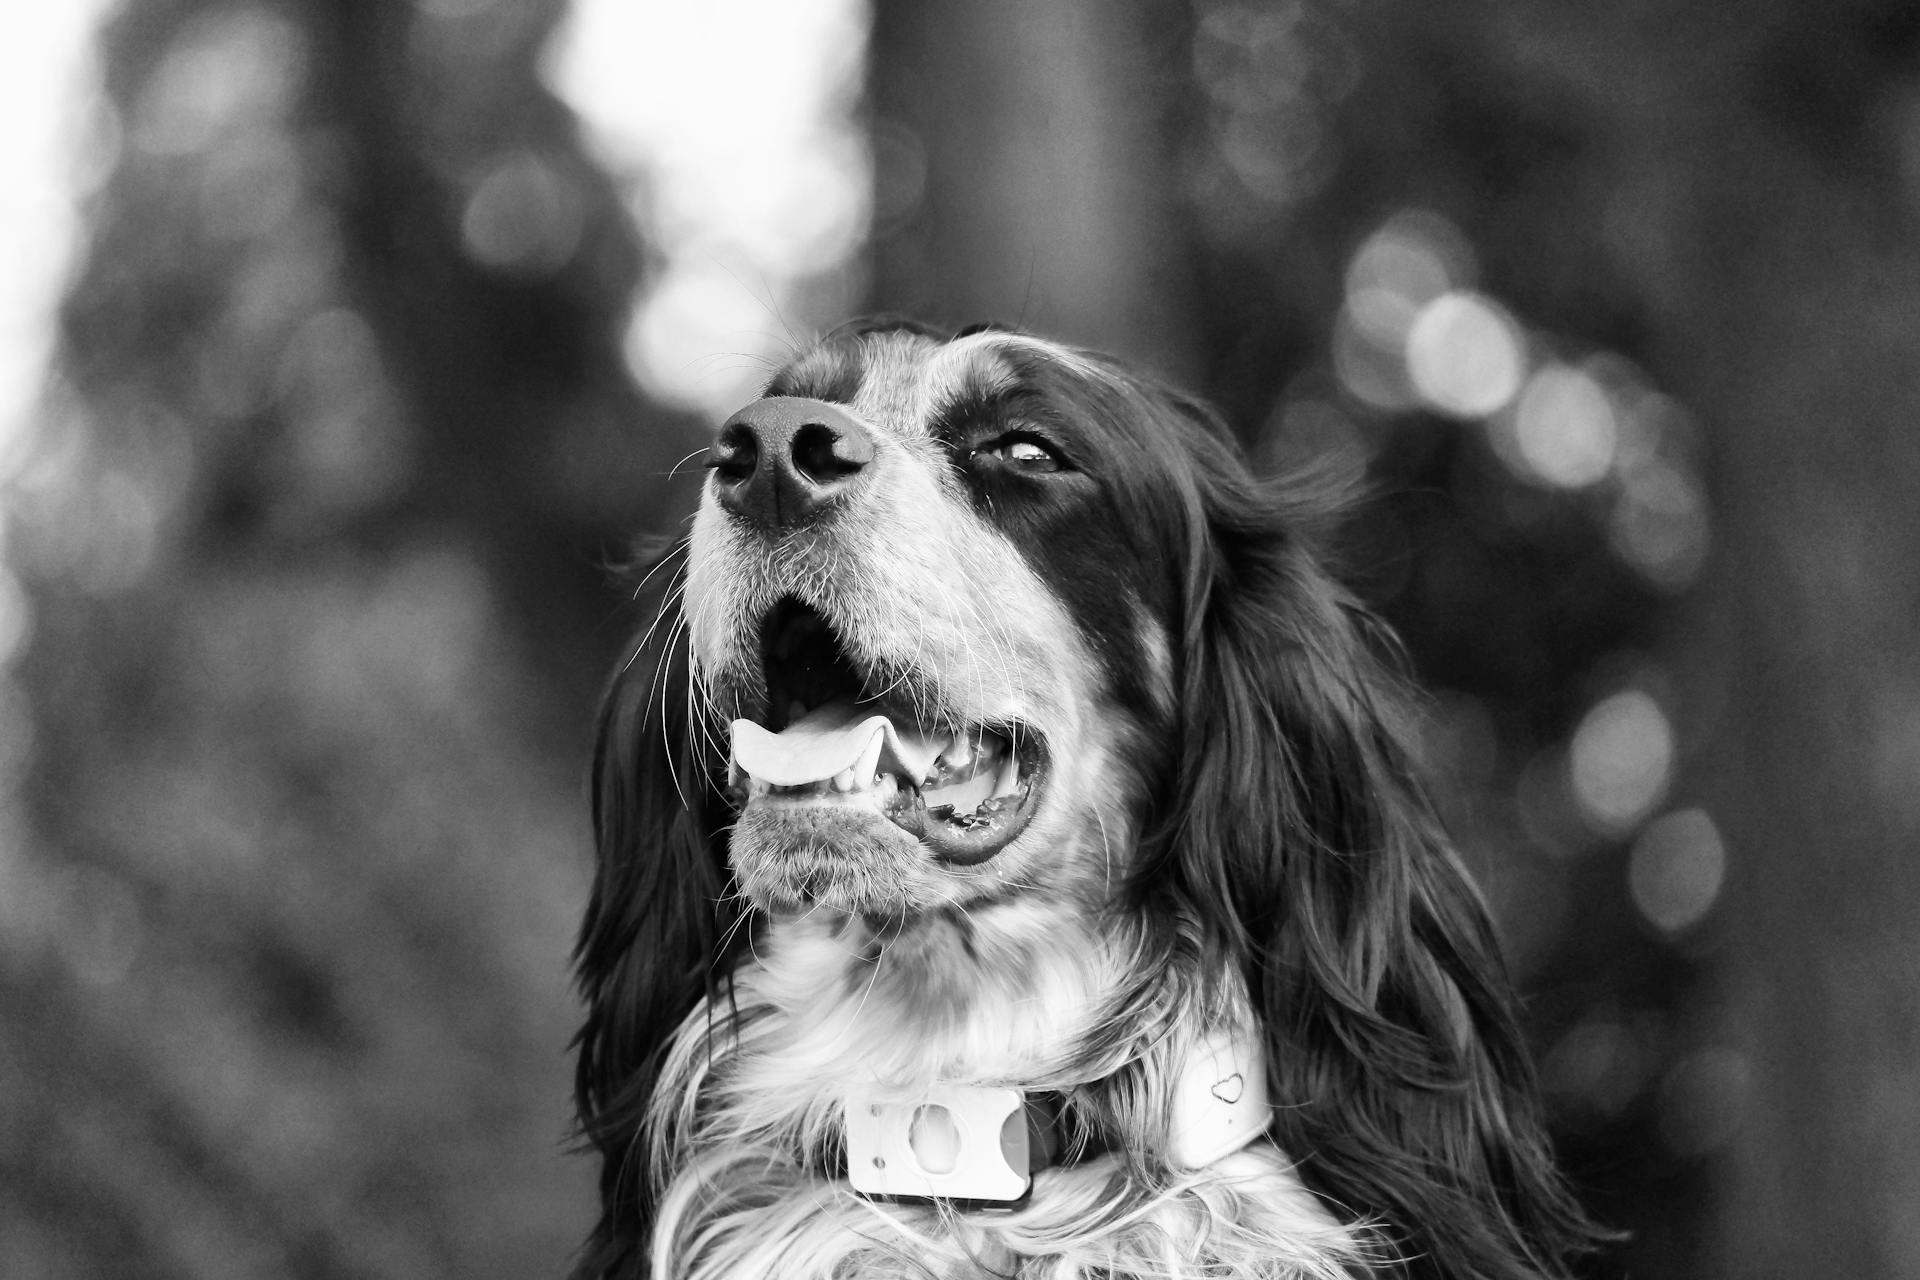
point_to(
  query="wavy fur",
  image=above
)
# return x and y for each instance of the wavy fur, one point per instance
(1250, 848)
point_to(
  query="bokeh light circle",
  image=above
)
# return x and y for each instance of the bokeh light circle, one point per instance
(1465, 355)
(1564, 431)
(1621, 760)
(1677, 869)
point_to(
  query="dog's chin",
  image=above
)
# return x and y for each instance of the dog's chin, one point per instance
(791, 859)
(847, 853)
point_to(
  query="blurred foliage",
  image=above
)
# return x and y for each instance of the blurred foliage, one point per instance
(1611, 309)
(313, 546)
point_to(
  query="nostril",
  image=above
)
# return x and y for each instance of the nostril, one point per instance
(736, 453)
(783, 460)
(823, 455)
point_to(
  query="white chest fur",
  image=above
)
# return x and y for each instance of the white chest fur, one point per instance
(748, 1129)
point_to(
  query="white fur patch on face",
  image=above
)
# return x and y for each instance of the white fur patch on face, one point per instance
(976, 366)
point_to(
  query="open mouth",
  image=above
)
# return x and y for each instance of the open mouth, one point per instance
(829, 738)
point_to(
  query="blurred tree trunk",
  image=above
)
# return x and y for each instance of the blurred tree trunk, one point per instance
(1025, 171)
(1767, 159)
(1808, 345)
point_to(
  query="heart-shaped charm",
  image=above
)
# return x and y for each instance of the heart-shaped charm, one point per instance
(1230, 1089)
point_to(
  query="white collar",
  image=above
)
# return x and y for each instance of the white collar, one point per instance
(973, 1142)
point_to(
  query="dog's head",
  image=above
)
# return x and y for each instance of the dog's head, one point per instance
(986, 629)
(930, 594)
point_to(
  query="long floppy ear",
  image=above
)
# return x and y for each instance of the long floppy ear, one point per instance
(1400, 1079)
(661, 912)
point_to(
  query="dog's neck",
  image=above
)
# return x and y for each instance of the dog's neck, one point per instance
(1009, 993)
(1018, 995)
(748, 1114)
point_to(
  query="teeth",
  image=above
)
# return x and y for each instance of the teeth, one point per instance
(965, 755)
(958, 753)
(965, 772)
(869, 762)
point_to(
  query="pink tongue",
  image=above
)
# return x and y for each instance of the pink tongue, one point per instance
(828, 740)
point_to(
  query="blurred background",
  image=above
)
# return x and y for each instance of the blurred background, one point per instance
(345, 342)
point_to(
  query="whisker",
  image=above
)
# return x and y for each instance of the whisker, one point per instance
(666, 742)
(667, 608)
(1106, 853)
(675, 556)
(675, 468)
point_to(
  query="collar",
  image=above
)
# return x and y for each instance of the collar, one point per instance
(983, 1143)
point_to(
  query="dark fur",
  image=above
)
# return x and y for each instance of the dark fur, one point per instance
(1284, 814)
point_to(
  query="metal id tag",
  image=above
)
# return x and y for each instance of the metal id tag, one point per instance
(948, 1141)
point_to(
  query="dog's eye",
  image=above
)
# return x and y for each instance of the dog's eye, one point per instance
(1023, 452)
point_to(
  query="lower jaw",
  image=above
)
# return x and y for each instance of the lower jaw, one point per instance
(841, 851)
(961, 846)
(946, 841)
(791, 858)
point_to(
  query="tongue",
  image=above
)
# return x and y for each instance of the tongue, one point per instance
(828, 740)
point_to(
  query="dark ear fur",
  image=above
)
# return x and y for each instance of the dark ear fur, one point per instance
(661, 912)
(1400, 1077)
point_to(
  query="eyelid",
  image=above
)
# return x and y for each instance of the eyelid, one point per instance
(1025, 435)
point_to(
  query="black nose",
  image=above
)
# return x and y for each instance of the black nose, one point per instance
(783, 460)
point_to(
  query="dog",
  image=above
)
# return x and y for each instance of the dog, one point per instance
(999, 739)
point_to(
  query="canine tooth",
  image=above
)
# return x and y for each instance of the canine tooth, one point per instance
(755, 787)
(869, 762)
(1008, 779)
(843, 780)
(959, 752)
